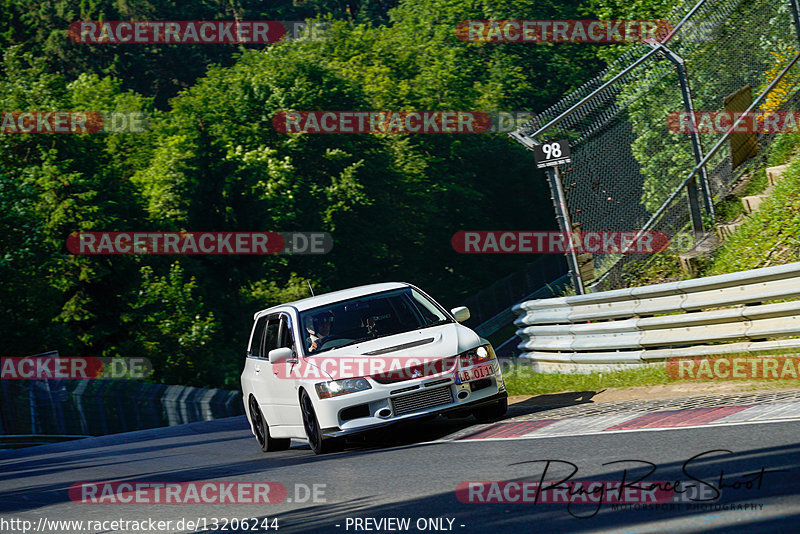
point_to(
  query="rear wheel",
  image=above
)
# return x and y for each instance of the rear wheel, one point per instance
(492, 412)
(261, 430)
(318, 444)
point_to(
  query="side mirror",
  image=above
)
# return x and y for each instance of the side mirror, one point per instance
(279, 355)
(461, 313)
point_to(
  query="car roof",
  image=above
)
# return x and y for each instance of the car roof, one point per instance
(336, 296)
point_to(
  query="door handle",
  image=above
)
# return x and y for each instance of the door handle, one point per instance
(258, 368)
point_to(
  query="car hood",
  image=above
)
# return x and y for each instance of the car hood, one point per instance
(425, 344)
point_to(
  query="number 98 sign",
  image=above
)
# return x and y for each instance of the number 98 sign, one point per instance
(552, 154)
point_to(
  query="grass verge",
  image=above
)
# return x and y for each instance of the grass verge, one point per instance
(770, 236)
(522, 381)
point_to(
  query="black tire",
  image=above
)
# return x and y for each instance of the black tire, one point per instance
(261, 430)
(318, 444)
(492, 412)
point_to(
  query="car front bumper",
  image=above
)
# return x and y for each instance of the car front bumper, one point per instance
(372, 422)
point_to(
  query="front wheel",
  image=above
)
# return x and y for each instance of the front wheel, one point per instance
(492, 412)
(318, 444)
(261, 430)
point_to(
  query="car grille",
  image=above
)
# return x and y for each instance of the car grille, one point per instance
(422, 400)
(421, 370)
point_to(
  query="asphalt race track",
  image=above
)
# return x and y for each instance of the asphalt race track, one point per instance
(412, 472)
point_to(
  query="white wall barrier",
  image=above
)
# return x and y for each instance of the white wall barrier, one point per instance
(106, 406)
(736, 313)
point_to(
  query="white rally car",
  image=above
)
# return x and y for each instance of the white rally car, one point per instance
(333, 365)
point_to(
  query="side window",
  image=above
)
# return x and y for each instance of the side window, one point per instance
(286, 337)
(258, 334)
(271, 337)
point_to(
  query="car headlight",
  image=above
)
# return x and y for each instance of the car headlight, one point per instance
(334, 388)
(481, 354)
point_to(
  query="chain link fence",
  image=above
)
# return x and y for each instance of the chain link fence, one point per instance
(497, 299)
(626, 160)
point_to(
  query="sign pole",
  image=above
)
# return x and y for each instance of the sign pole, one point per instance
(549, 156)
(565, 222)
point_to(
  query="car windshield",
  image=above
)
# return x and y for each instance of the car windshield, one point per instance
(368, 317)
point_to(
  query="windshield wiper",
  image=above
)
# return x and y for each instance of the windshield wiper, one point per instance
(359, 340)
(437, 323)
(370, 338)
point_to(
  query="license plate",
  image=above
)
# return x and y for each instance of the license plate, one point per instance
(476, 373)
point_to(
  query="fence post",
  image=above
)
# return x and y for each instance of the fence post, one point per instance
(697, 147)
(795, 6)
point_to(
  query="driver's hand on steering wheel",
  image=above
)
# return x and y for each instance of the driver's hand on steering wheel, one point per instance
(317, 343)
(371, 326)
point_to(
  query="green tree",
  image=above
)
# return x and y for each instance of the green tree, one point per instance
(169, 325)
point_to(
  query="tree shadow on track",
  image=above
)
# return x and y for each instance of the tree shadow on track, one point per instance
(776, 494)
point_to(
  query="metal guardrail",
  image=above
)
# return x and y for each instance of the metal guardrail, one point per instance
(631, 327)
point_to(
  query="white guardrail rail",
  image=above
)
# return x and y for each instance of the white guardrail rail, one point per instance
(634, 327)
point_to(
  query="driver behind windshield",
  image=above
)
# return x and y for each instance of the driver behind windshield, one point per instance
(318, 328)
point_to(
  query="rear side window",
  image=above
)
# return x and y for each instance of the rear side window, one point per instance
(271, 337)
(286, 337)
(258, 335)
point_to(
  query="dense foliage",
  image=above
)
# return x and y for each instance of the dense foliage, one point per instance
(211, 160)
